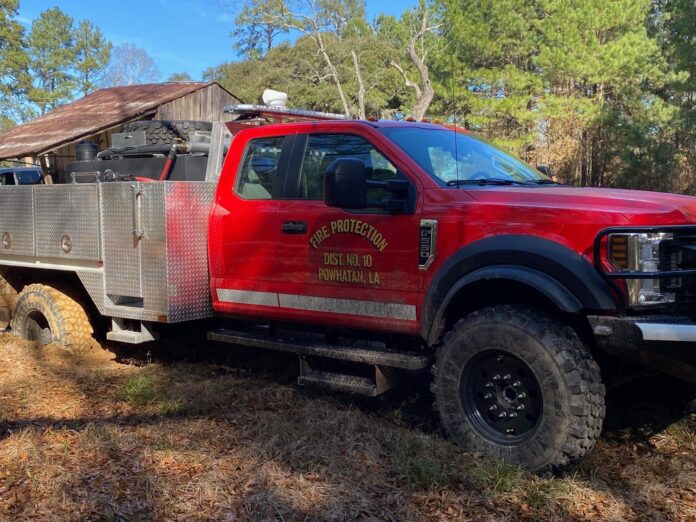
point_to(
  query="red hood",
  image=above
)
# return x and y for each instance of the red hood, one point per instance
(618, 207)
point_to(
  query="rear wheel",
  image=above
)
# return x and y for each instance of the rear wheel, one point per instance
(515, 384)
(46, 315)
(8, 300)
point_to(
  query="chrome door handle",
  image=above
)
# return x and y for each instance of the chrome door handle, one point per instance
(294, 227)
(136, 192)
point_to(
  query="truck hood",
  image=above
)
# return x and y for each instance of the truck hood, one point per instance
(618, 206)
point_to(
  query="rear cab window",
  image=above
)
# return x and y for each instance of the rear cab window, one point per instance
(259, 173)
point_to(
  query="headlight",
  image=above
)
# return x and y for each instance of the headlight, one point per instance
(635, 252)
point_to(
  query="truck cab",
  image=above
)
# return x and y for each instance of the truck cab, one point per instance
(515, 283)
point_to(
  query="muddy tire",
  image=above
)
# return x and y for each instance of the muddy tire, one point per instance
(46, 315)
(515, 384)
(8, 300)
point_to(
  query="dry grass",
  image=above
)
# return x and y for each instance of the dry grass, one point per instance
(83, 437)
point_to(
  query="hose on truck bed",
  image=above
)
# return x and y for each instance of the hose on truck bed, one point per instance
(179, 148)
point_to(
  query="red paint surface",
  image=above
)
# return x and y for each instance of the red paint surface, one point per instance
(248, 251)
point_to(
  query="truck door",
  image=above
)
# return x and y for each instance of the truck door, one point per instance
(245, 227)
(346, 267)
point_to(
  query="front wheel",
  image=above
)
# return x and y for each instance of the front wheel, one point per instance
(512, 383)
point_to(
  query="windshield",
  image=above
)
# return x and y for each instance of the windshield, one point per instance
(465, 161)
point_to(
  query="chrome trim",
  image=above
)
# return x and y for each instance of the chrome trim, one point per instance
(348, 306)
(432, 225)
(136, 194)
(249, 297)
(319, 304)
(668, 332)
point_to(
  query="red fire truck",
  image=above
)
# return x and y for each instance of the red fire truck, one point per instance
(390, 247)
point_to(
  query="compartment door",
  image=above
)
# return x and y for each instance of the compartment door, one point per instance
(122, 241)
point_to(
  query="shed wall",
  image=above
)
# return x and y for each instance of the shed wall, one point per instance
(202, 105)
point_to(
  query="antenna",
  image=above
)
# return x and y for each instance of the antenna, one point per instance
(454, 117)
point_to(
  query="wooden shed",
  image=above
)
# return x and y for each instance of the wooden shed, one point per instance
(50, 139)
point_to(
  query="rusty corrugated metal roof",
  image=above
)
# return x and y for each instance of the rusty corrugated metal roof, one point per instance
(103, 109)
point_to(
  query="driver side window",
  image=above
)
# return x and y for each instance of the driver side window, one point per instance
(323, 149)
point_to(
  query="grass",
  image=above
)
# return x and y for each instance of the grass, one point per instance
(498, 477)
(421, 460)
(138, 390)
(88, 438)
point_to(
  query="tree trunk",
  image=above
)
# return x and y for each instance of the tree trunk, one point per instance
(425, 99)
(361, 86)
(424, 90)
(334, 72)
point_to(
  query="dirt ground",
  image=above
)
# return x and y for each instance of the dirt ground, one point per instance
(99, 436)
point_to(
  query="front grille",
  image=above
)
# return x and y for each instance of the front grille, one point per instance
(678, 254)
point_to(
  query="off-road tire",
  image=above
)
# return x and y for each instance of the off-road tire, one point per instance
(46, 315)
(8, 300)
(163, 132)
(572, 394)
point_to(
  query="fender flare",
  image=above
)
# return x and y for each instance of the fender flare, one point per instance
(565, 277)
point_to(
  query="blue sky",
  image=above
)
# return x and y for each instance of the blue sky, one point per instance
(180, 35)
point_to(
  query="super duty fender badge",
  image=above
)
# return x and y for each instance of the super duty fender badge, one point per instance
(426, 243)
(353, 268)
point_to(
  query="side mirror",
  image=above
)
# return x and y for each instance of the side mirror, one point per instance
(545, 170)
(345, 184)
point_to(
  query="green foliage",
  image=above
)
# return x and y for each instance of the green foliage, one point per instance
(488, 69)
(93, 53)
(180, 77)
(50, 65)
(6, 123)
(578, 85)
(51, 47)
(257, 27)
(14, 61)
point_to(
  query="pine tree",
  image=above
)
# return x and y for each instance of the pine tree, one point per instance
(14, 61)
(93, 53)
(51, 48)
(487, 76)
(601, 69)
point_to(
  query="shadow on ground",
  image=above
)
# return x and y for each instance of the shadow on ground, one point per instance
(184, 429)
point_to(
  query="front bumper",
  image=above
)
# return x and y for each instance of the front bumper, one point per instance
(664, 343)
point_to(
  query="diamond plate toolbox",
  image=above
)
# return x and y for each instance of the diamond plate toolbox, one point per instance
(140, 249)
(67, 222)
(156, 250)
(17, 221)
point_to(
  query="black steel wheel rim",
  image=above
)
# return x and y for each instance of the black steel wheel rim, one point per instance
(501, 397)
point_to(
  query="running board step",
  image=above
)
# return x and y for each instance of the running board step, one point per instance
(340, 382)
(373, 356)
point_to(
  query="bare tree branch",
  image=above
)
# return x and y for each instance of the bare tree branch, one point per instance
(361, 86)
(424, 89)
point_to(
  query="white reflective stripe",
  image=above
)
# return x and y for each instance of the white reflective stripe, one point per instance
(319, 304)
(348, 306)
(668, 332)
(248, 297)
